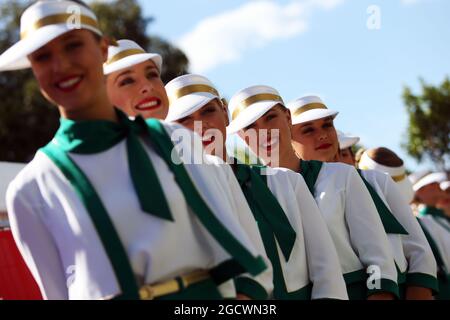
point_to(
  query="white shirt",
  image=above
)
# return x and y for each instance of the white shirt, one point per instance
(353, 220)
(439, 229)
(60, 245)
(316, 251)
(313, 258)
(412, 252)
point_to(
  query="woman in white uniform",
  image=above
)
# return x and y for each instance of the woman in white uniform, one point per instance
(295, 236)
(134, 80)
(346, 142)
(134, 85)
(413, 256)
(100, 212)
(435, 223)
(343, 200)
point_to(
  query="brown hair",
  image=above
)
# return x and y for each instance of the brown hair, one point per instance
(385, 157)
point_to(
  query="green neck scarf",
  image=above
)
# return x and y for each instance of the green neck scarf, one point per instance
(435, 212)
(390, 223)
(90, 137)
(80, 137)
(273, 226)
(310, 171)
(262, 200)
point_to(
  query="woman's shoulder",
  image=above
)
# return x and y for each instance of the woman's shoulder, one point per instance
(26, 179)
(285, 176)
(336, 169)
(376, 175)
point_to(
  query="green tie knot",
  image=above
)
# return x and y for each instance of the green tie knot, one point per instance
(90, 137)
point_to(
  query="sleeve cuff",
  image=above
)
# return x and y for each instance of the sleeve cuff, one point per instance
(250, 288)
(422, 280)
(386, 286)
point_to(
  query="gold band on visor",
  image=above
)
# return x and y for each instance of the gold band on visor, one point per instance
(124, 54)
(254, 99)
(70, 19)
(194, 88)
(399, 178)
(309, 106)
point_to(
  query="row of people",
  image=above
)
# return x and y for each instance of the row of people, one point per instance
(428, 194)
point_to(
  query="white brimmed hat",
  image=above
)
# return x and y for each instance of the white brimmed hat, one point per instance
(43, 22)
(187, 94)
(398, 174)
(346, 140)
(436, 177)
(8, 171)
(445, 185)
(126, 54)
(250, 104)
(309, 108)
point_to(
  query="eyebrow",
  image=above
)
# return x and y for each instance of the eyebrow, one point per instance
(185, 118)
(269, 112)
(310, 123)
(69, 36)
(151, 67)
(306, 124)
(208, 105)
(122, 74)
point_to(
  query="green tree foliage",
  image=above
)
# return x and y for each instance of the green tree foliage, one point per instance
(27, 120)
(428, 135)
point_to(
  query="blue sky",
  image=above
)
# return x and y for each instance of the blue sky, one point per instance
(323, 47)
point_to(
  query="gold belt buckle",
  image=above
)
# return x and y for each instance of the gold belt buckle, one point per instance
(147, 293)
(150, 292)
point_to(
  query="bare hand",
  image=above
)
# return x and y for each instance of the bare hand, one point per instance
(381, 296)
(418, 293)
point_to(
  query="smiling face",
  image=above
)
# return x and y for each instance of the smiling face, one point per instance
(430, 194)
(139, 90)
(210, 123)
(69, 71)
(316, 140)
(444, 202)
(270, 135)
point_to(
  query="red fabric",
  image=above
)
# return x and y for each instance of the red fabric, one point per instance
(16, 281)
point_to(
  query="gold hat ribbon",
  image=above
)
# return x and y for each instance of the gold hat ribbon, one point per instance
(254, 99)
(309, 106)
(124, 54)
(184, 91)
(399, 178)
(58, 19)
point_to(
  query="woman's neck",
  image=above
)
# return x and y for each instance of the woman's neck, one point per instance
(224, 153)
(290, 160)
(447, 211)
(99, 109)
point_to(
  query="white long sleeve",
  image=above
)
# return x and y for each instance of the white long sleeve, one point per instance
(354, 225)
(36, 245)
(232, 193)
(365, 228)
(62, 247)
(323, 262)
(421, 262)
